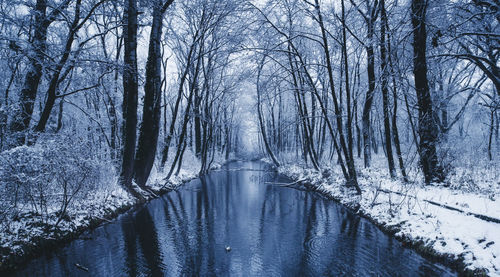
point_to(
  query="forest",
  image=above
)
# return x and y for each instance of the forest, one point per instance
(381, 104)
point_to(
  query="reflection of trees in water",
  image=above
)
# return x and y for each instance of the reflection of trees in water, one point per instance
(63, 264)
(185, 216)
(148, 241)
(289, 224)
(205, 252)
(300, 233)
(143, 231)
(130, 247)
(307, 243)
(350, 224)
(276, 230)
(180, 237)
(296, 232)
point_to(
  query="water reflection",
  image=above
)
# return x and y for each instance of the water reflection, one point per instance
(272, 231)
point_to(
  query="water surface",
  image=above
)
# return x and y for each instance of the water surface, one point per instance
(271, 230)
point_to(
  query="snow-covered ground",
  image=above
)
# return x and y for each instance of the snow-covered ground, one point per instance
(27, 232)
(21, 235)
(455, 221)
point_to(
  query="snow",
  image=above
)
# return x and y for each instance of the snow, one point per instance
(18, 236)
(407, 209)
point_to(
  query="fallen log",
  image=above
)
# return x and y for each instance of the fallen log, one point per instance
(480, 216)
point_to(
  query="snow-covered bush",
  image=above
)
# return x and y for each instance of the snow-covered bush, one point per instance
(46, 178)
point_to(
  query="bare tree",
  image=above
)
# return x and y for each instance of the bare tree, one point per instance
(370, 17)
(150, 127)
(130, 92)
(385, 89)
(427, 127)
(20, 123)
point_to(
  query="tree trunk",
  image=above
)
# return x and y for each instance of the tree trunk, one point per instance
(347, 89)
(60, 115)
(21, 120)
(150, 127)
(395, 132)
(385, 89)
(324, 111)
(352, 180)
(427, 129)
(187, 112)
(168, 139)
(197, 122)
(365, 118)
(55, 79)
(4, 106)
(490, 136)
(261, 120)
(130, 91)
(227, 131)
(395, 135)
(182, 136)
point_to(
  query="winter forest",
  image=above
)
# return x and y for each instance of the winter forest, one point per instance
(381, 113)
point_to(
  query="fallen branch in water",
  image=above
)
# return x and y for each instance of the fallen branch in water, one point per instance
(148, 192)
(102, 218)
(285, 184)
(243, 169)
(79, 266)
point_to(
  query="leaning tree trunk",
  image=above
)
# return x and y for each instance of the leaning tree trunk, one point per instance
(261, 120)
(352, 180)
(427, 127)
(187, 112)
(178, 100)
(150, 127)
(55, 79)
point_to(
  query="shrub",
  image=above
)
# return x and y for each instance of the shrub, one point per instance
(45, 179)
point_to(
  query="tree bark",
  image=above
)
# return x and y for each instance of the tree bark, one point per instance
(197, 122)
(427, 129)
(395, 132)
(130, 91)
(370, 19)
(490, 135)
(385, 89)
(19, 126)
(347, 87)
(150, 127)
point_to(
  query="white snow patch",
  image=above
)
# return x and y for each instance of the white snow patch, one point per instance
(406, 206)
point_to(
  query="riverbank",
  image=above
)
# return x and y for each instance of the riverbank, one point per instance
(456, 226)
(27, 236)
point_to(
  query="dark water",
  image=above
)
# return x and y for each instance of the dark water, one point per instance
(272, 231)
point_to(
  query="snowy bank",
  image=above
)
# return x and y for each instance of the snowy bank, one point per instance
(458, 227)
(26, 233)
